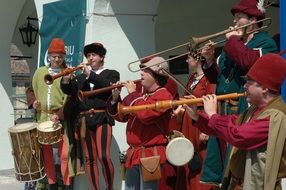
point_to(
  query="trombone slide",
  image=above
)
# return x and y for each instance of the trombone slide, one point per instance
(195, 42)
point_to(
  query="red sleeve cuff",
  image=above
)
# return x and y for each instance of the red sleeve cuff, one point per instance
(203, 119)
(213, 120)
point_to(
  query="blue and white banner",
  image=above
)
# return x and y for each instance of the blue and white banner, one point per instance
(64, 19)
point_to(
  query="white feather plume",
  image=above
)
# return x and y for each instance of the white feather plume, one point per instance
(260, 6)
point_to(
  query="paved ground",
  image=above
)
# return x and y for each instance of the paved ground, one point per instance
(8, 181)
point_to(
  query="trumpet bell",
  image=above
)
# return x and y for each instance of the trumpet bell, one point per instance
(48, 79)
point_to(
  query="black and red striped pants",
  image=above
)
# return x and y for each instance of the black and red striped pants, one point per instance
(96, 145)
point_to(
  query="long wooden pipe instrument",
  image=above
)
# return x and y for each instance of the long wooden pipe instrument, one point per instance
(84, 94)
(167, 104)
(49, 79)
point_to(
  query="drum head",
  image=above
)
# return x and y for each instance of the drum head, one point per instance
(23, 127)
(179, 151)
(49, 126)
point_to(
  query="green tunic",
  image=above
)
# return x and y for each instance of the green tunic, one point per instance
(52, 99)
(51, 96)
(229, 84)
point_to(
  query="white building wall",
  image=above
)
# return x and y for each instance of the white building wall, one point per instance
(8, 19)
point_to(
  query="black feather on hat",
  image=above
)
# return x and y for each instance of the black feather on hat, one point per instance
(94, 48)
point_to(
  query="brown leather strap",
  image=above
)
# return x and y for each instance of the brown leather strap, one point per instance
(155, 152)
(48, 111)
(92, 111)
(143, 154)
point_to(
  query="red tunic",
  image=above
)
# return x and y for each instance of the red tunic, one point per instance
(188, 179)
(167, 171)
(147, 127)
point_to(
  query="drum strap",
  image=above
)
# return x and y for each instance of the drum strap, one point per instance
(166, 135)
(171, 134)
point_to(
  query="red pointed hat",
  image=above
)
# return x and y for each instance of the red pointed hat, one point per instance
(269, 71)
(57, 45)
(250, 7)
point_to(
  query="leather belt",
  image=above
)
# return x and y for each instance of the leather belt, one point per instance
(49, 111)
(92, 111)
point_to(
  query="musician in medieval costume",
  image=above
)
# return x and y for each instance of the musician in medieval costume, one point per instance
(168, 179)
(49, 103)
(188, 176)
(146, 129)
(168, 171)
(257, 159)
(239, 54)
(95, 124)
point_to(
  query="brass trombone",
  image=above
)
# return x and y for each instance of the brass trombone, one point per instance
(194, 42)
(49, 79)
